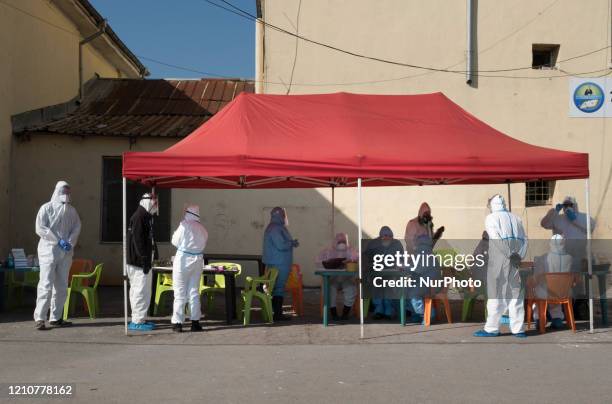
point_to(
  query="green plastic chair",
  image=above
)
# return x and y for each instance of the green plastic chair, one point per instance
(250, 291)
(219, 284)
(16, 286)
(79, 285)
(164, 284)
(468, 304)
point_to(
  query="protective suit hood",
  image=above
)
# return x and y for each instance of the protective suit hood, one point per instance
(572, 200)
(278, 216)
(497, 203)
(340, 238)
(192, 213)
(55, 198)
(385, 231)
(557, 244)
(424, 208)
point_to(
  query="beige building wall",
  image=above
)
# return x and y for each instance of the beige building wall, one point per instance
(39, 68)
(433, 33)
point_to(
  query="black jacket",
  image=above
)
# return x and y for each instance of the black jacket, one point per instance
(140, 242)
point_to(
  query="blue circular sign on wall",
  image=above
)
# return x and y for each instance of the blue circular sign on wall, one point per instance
(588, 97)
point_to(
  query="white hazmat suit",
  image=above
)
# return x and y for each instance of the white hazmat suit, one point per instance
(57, 223)
(573, 231)
(190, 240)
(507, 246)
(340, 249)
(557, 260)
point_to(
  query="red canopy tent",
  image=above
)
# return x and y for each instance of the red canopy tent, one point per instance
(307, 141)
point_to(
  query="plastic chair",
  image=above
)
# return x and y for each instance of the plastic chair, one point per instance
(80, 266)
(559, 288)
(468, 303)
(16, 286)
(250, 291)
(164, 284)
(89, 293)
(295, 286)
(434, 300)
(219, 284)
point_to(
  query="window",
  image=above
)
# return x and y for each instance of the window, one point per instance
(112, 203)
(539, 193)
(544, 56)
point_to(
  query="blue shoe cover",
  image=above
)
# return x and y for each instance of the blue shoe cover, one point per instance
(520, 335)
(483, 333)
(140, 327)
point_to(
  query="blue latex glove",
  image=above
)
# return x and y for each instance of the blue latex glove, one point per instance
(64, 245)
(558, 207)
(571, 215)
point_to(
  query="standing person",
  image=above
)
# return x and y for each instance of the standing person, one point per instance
(572, 225)
(555, 261)
(507, 247)
(565, 219)
(189, 239)
(340, 249)
(141, 251)
(422, 225)
(385, 244)
(278, 248)
(58, 225)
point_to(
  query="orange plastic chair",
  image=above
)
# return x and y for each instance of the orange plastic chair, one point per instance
(530, 299)
(559, 287)
(295, 286)
(434, 300)
(80, 266)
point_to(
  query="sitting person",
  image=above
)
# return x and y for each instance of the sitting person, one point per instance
(427, 269)
(340, 249)
(556, 260)
(384, 244)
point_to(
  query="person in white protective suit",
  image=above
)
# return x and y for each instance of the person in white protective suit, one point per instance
(141, 251)
(572, 225)
(58, 225)
(507, 247)
(340, 249)
(557, 260)
(190, 240)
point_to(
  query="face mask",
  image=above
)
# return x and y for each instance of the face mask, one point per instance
(341, 247)
(65, 198)
(426, 219)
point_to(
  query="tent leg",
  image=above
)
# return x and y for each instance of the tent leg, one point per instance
(509, 199)
(125, 294)
(588, 252)
(333, 213)
(359, 230)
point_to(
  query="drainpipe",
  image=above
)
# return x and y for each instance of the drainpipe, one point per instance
(470, 42)
(259, 56)
(85, 41)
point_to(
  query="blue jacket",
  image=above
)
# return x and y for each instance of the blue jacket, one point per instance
(277, 243)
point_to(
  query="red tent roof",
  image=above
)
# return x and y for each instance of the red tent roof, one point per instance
(277, 141)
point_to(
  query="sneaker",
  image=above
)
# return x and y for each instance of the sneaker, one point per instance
(60, 323)
(140, 327)
(196, 326)
(520, 335)
(556, 324)
(483, 333)
(40, 325)
(178, 327)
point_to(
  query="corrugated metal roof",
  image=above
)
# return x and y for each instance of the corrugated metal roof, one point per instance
(134, 107)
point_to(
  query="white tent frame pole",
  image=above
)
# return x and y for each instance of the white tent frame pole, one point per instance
(333, 212)
(359, 230)
(125, 256)
(509, 198)
(588, 252)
